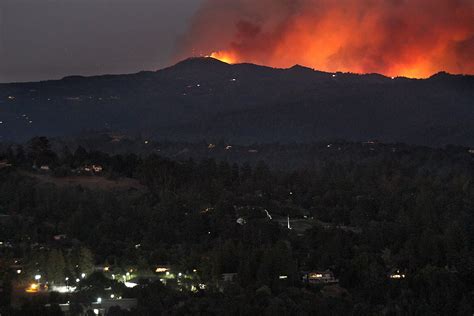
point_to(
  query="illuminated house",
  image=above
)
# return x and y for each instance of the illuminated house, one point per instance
(163, 269)
(97, 168)
(395, 274)
(93, 168)
(320, 277)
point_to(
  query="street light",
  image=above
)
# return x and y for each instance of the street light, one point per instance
(37, 277)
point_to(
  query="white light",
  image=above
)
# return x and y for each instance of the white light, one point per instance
(180, 274)
(37, 277)
(167, 273)
(112, 295)
(63, 289)
(128, 273)
(77, 280)
(18, 271)
(67, 279)
(282, 277)
(130, 284)
(96, 311)
(83, 275)
(99, 300)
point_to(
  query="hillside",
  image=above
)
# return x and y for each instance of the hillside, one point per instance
(202, 98)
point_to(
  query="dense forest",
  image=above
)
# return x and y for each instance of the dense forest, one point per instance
(358, 210)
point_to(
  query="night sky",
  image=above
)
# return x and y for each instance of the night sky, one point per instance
(48, 39)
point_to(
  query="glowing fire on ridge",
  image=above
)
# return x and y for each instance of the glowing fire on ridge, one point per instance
(224, 56)
(413, 38)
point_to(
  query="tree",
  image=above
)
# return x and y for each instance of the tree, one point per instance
(86, 261)
(55, 267)
(40, 151)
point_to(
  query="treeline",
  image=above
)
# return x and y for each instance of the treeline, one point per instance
(411, 211)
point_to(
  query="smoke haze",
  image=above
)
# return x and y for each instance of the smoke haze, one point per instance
(413, 38)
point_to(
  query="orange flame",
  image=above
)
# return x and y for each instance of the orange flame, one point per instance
(413, 38)
(224, 56)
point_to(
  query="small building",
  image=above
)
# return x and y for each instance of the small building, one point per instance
(44, 168)
(4, 164)
(396, 274)
(97, 168)
(102, 306)
(228, 277)
(93, 168)
(60, 237)
(163, 268)
(320, 277)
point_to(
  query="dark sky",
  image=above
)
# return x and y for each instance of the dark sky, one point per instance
(48, 39)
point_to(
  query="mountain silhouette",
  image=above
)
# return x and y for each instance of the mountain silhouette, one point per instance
(203, 98)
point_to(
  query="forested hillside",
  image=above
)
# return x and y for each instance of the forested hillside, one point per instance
(362, 215)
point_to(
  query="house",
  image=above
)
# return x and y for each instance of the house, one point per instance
(371, 142)
(163, 269)
(4, 164)
(93, 168)
(228, 277)
(102, 306)
(395, 274)
(44, 168)
(60, 237)
(97, 168)
(320, 277)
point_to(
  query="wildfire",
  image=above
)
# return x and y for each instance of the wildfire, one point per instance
(224, 56)
(412, 38)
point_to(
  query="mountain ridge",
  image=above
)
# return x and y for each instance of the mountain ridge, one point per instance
(201, 98)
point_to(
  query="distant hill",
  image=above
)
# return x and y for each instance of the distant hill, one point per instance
(203, 98)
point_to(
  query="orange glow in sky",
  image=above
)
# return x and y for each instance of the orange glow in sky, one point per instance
(412, 38)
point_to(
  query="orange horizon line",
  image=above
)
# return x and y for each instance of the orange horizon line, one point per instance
(329, 72)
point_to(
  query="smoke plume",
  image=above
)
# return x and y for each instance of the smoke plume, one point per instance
(413, 38)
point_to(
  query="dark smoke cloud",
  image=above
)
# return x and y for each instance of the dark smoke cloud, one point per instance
(395, 37)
